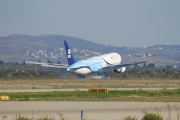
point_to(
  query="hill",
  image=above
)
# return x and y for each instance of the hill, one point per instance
(19, 47)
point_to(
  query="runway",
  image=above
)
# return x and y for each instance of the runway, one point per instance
(92, 110)
(80, 89)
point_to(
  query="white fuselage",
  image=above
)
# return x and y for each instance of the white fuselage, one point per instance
(95, 64)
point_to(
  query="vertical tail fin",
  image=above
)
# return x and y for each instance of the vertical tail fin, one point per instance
(69, 54)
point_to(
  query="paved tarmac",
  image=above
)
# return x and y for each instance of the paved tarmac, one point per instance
(81, 89)
(92, 110)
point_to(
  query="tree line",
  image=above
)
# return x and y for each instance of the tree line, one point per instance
(15, 70)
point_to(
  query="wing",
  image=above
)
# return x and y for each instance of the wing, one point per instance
(127, 65)
(115, 67)
(48, 64)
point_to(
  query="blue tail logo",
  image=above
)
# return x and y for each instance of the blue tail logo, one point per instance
(69, 54)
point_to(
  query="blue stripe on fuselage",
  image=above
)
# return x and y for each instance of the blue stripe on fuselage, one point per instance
(106, 61)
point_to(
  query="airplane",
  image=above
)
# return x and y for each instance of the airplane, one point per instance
(99, 64)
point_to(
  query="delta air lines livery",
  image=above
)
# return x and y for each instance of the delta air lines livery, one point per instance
(99, 64)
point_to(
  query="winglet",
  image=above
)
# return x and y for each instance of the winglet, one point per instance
(70, 56)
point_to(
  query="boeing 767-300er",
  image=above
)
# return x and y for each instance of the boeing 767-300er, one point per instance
(98, 64)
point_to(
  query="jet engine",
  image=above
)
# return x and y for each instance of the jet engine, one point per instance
(120, 70)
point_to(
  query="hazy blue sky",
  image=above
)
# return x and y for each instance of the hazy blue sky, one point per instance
(132, 23)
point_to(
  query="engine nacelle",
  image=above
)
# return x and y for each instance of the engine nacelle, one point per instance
(120, 70)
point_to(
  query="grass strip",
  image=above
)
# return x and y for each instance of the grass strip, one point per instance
(113, 95)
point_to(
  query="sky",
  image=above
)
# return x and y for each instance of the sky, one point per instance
(130, 23)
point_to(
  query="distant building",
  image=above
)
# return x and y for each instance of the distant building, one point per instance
(149, 55)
